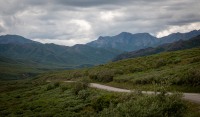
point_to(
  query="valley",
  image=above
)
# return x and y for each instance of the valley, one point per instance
(81, 89)
(99, 58)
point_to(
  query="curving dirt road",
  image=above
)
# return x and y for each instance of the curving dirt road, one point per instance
(193, 97)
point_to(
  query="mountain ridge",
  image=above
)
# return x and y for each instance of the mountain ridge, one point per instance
(123, 41)
(54, 54)
(126, 41)
(18, 47)
(15, 39)
(178, 45)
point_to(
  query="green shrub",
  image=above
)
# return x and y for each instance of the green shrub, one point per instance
(93, 76)
(105, 76)
(64, 87)
(56, 84)
(148, 106)
(102, 102)
(83, 94)
(135, 69)
(102, 76)
(78, 86)
(189, 77)
(176, 61)
(5, 113)
(195, 59)
(121, 80)
(49, 87)
(77, 74)
(118, 71)
(146, 80)
(52, 86)
(160, 63)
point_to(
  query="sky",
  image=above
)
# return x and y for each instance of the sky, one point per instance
(70, 22)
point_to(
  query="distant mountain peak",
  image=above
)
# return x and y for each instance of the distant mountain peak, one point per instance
(15, 39)
(125, 33)
(12, 36)
(143, 35)
(178, 45)
(78, 46)
(126, 41)
(100, 37)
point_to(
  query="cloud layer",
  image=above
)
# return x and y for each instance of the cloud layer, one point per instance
(69, 22)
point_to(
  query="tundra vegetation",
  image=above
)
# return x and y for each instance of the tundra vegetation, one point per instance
(177, 71)
(36, 98)
(170, 71)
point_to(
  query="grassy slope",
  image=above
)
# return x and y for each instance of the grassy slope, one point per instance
(17, 69)
(179, 70)
(37, 98)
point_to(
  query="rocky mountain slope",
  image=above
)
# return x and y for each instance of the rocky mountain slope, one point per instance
(130, 42)
(178, 45)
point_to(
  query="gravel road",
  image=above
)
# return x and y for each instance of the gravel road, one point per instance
(193, 97)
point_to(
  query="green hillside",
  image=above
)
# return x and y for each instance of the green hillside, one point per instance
(40, 99)
(177, 70)
(20, 69)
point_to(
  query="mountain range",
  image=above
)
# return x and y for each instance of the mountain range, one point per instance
(178, 45)
(100, 51)
(15, 39)
(130, 42)
(51, 54)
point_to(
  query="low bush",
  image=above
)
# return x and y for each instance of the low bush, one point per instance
(93, 76)
(56, 84)
(121, 80)
(52, 86)
(147, 80)
(102, 102)
(49, 87)
(135, 69)
(83, 94)
(160, 63)
(77, 74)
(148, 106)
(78, 86)
(189, 77)
(102, 76)
(176, 61)
(64, 87)
(195, 60)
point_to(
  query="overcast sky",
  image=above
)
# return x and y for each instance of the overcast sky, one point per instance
(69, 22)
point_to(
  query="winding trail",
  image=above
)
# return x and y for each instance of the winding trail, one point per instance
(193, 97)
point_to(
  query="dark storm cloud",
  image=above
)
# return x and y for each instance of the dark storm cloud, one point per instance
(79, 21)
(188, 18)
(95, 3)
